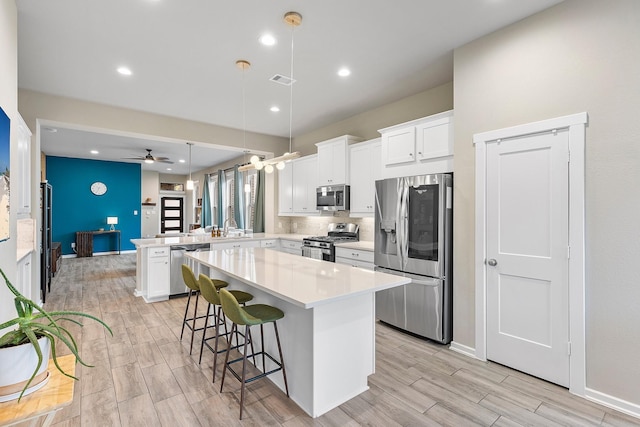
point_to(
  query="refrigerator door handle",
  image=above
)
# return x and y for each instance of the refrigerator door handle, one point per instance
(399, 223)
(403, 220)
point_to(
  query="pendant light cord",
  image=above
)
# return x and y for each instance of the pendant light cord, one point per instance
(291, 92)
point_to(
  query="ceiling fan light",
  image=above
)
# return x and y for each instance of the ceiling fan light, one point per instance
(148, 161)
(280, 165)
(268, 168)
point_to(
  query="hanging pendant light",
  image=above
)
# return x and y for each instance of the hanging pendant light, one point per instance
(293, 19)
(189, 181)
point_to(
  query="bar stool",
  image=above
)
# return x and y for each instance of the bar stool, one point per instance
(210, 294)
(194, 289)
(251, 315)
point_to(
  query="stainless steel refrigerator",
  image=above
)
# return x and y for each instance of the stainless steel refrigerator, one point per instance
(413, 238)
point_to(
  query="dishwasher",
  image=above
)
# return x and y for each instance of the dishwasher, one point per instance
(177, 287)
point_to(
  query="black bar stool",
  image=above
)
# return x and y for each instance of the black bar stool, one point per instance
(210, 294)
(194, 289)
(251, 315)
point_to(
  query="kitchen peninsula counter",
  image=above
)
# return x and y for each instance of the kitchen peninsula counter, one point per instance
(328, 332)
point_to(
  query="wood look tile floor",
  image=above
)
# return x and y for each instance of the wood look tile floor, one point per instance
(144, 375)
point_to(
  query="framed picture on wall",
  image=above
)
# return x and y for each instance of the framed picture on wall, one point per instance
(5, 176)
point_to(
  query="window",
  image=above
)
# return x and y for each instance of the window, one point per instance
(228, 211)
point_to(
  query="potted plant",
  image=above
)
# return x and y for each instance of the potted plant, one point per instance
(36, 332)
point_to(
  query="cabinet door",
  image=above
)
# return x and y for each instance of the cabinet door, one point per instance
(285, 190)
(311, 185)
(158, 277)
(362, 186)
(305, 172)
(24, 171)
(325, 161)
(399, 146)
(332, 163)
(434, 140)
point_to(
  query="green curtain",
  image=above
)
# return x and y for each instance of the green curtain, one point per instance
(221, 185)
(238, 197)
(206, 217)
(258, 212)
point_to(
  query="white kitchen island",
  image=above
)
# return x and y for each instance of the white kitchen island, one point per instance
(328, 332)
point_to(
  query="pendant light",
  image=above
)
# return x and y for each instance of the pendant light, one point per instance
(244, 65)
(189, 181)
(293, 19)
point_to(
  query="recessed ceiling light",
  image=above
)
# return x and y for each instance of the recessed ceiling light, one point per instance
(94, 152)
(275, 108)
(344, 72)
(169, 169)
(124, 71)
(267, 40)
(181, 160)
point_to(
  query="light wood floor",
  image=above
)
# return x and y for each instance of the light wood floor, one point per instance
(145, 376)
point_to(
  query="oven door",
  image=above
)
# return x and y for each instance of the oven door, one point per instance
(316, 253)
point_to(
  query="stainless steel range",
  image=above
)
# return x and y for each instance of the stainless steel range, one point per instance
(323, 247)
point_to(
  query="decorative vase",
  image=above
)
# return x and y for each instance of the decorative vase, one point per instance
(17, 365)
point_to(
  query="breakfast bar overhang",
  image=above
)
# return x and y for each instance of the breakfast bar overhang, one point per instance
(328, 332)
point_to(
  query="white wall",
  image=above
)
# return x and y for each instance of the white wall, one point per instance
(9, 103)
(582, 55)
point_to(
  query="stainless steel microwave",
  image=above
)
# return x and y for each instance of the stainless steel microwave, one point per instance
(332, 198)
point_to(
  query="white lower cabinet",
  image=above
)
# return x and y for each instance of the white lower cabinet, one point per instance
(235, 245)
(293, 247)
(355, 257)
(271, 243)
(158, 273)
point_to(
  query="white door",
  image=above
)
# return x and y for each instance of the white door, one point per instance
(527, 254)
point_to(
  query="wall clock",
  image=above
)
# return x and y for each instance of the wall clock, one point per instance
(98, 188)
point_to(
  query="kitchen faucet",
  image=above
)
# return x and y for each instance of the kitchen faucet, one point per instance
(225, 226)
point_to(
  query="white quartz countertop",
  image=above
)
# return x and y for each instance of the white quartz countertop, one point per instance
(302, 281)
(363, 245)
(206, 238)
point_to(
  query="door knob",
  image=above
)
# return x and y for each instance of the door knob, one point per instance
(492, 262)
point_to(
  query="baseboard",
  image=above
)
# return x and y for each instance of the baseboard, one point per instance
(133, 251)
(618, 404)
(463, 349)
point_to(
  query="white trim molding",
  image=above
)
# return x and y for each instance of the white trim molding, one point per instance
(613, 402)
(576, 124)
(463, 349)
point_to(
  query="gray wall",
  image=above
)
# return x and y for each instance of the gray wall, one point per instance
(582, 55)
(366, 124)
(9, 103)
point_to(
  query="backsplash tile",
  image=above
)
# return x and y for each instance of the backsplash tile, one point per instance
(317, 225)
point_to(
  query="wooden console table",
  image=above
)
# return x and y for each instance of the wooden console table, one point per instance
(55, 395)
(84, 241)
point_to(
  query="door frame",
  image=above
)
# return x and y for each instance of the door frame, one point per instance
(576, 124)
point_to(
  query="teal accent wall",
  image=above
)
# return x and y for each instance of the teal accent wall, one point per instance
(76, 208)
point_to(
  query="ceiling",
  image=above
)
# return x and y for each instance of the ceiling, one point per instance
(182, 56)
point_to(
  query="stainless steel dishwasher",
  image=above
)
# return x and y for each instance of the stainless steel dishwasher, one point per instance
(177, 286)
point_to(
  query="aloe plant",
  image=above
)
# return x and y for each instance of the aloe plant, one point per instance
(34, 322)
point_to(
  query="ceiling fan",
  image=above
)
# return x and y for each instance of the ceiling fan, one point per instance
(150, 159)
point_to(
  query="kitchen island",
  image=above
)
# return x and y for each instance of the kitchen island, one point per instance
(328, 332)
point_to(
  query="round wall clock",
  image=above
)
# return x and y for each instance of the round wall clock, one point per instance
(98, 188)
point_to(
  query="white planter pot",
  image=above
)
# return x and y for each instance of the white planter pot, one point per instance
(16, 366)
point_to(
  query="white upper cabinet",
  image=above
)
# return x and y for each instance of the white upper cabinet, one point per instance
(421, 146)
(365, 168)
(333, 160)
(297, 184)
(285, 190)
(24, 168)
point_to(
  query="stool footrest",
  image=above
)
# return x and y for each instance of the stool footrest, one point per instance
(257, 377)
(223, 348)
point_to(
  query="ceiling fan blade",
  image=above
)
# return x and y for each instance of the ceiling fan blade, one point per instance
(133, 158)
(163, 160)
